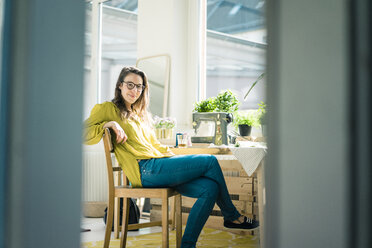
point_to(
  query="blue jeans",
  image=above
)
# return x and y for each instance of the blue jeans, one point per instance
(196, 176)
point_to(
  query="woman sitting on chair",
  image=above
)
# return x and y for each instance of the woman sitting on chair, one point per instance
(149, 164)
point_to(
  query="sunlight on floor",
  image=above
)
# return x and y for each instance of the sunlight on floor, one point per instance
(97, 229)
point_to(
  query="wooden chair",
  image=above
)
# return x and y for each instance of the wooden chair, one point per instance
(125, 191)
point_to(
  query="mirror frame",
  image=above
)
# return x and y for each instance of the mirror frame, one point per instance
(166, 82)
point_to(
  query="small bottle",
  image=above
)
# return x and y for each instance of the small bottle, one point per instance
(189, 140)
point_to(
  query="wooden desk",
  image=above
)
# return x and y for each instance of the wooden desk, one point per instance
(201, 150)
(250, 190)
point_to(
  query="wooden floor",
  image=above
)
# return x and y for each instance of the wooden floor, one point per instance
(207, 239)
(97, 227)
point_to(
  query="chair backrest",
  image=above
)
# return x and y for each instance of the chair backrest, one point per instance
(109, 149)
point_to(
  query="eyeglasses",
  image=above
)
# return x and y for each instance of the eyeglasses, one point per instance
(131, 85)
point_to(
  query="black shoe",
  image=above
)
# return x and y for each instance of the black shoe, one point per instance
(246, 224)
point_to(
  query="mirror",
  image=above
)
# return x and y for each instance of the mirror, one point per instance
(157, 69)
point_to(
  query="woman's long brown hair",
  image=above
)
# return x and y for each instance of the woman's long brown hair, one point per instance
(140, 106)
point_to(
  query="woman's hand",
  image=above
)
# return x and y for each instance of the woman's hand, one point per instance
(121, 137)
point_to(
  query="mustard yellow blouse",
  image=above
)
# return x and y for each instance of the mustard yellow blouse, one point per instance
(141, 142)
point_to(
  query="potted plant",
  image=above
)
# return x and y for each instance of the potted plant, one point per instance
(254, 84)
(245, 121)
(164, 127)
(222, 106)
(262, 106)
(207, 105)
(226, 101)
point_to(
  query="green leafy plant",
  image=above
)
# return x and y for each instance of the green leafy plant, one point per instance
(262, 113)
(167, 122)
(208, 105)
(226, 101)
(254, 84)
(247, 118)
(262, 105)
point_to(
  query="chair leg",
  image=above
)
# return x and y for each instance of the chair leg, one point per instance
(116, 217)
(117, 181)
(164, 210)
(110, 215)
(178, 219)
(172, 212)
(124, 226)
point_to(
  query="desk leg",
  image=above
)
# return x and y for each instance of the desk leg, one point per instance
(261, 200)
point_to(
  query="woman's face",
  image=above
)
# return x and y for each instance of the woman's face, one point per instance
(131, 89)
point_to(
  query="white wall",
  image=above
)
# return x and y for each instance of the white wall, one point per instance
(167, 26)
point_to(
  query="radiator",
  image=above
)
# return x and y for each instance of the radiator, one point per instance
(94, 175)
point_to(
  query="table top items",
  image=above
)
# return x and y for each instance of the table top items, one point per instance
(248, 153)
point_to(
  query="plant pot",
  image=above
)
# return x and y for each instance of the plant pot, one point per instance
(244, 130)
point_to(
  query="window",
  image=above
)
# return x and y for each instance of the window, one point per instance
(118, 47)
(236, 46)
